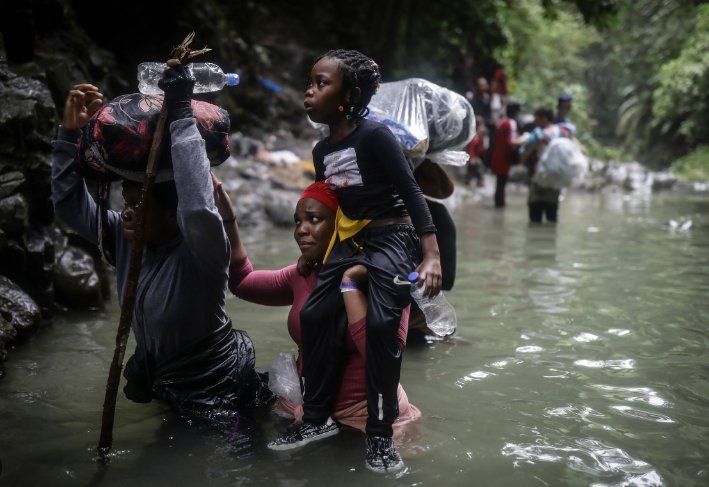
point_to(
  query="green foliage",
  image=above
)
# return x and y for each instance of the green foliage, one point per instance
(649, 33)
(544, 57)
(694, 166)
(681, 101)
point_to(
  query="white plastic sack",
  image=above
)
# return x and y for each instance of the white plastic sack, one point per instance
(283, 378)
(428, 120)
(560, 163)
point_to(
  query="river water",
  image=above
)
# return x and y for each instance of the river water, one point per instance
(580, 360)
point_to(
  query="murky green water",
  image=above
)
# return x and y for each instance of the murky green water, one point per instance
(581, 360)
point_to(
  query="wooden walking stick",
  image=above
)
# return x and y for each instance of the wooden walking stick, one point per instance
(181, 52)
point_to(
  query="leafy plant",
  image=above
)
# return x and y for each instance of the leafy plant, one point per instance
(681, 101)
(693, 166)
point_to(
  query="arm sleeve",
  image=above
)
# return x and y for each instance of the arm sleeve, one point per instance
(405, 184)
(73, 204)
(535, 137)
(270, 288)
(197, 215)
(446, 237)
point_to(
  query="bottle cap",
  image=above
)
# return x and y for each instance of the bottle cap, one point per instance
(232, 79)
(413, 277)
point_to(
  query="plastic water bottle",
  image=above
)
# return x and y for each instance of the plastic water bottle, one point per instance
(440, 315)
(208, 76)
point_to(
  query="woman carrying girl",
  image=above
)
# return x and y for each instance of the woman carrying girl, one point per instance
(383, 224)
(314, 225)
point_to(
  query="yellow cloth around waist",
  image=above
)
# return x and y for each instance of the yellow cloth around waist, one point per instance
(345, 228)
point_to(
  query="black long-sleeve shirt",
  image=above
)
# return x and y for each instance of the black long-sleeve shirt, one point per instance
(371, 177)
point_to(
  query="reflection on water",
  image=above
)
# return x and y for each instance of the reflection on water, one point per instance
(580, 359)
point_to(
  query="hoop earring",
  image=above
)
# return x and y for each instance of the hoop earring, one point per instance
(341, 108)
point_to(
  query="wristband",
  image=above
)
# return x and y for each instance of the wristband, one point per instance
(229, 220)
(348, 286)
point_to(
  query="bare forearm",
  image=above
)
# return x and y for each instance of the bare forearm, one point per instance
(238, 251)
(429, 246)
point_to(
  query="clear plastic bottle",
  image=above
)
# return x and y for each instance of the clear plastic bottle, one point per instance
(440, 314)
(208, 76)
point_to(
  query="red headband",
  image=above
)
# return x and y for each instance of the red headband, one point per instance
(320, 191)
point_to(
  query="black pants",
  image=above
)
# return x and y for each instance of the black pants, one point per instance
(540, 209)
(543, 202)
(386, 252)
(500, 191)
(475, 171)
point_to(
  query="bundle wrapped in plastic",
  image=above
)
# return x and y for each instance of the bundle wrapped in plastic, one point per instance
(428, 120)
(560, 164)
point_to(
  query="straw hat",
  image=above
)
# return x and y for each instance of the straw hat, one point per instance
(433, 180)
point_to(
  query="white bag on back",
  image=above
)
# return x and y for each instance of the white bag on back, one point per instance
(561, 162)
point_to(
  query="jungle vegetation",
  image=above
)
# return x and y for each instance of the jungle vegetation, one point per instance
(638, 69)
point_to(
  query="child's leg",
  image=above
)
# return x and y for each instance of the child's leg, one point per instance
(390, 254)
(323, 328)
(353, 281)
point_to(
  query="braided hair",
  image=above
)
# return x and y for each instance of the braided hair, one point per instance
(358, 71)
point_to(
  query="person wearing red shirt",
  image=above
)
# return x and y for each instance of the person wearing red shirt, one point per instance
(503, 150)
(476, 150)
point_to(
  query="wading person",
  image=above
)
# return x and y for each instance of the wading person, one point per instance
(543, 202)
(314, 226)
(504, 150)
(187, 353)
(379, 198)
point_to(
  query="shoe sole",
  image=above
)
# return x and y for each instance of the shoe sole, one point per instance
(298, 444)
(393, 468)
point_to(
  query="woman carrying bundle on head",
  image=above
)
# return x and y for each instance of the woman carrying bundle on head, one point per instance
(187, 352)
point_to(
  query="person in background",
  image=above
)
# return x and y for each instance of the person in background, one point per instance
(384, 225)
(563, 107)
(504, 150)
(477, 150)
(499, 77)
(481, 103)
(542, 201)
(187, 353)
(290, 286)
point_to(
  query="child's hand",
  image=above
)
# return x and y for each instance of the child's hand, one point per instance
(430, 274)
(81, 103)
(430, 268)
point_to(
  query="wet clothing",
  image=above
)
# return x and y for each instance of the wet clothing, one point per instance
(372, 180)
(543, 202)
(287, 287)
(387, 252)
(503, 147)
(371, 176)
(447, 245)
(477, 151)
(446, 236)
(186, 350)
(503, 154)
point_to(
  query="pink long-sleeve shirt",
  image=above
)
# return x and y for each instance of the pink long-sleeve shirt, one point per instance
(287, 287)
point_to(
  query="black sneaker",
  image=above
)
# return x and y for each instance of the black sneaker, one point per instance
(382, 456)
(303, 434)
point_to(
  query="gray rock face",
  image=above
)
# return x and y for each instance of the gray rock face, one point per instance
(18, 308)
